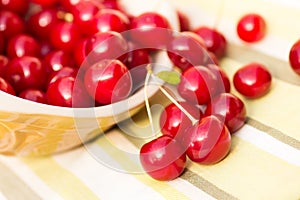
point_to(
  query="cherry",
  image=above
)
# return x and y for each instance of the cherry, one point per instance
(106, 45)
(222, 77)
(84, 13)
(42, 22)
(56, 60)
(46, 3)
(68, 5)
(110, 20)
(26, 72)
(252, 80)
(3, 64)
(214, 40)
(183, 21)
(34, 95)
(163, 158)
(6, 87)
(63, 72)
(208, 142)
(46, 48)
(68, 92)
(230, 108)
(17, 6)
(173, 121)
(23, 45)
(2, 43)
(79, 52)
(64, 36)
(197, 85)
(112, 4)
(251, 27)
(10, 24)
(150, 30)
(294, 57)
(186, 50)
(108, 81)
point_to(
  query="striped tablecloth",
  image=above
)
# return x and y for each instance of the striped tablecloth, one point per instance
(264, 162)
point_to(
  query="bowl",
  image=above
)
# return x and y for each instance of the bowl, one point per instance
(29, 128)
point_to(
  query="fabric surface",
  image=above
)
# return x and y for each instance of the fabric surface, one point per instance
(264, 162)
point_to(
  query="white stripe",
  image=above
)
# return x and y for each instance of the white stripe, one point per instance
(30, 178)
(106, 182)
(269, 144)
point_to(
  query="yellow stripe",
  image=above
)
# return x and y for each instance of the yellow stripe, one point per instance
(59, 179)
(160, 187)
(251, 173)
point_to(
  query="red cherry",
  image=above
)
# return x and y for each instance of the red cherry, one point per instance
(42, 22)
(197, 85)
(3, 64)
(10, 24)
(112, 4)
(68, 5)
(108, 81)
(23, 45)
(208, 142)
(106, 45)
(184, 22)
(84, 13)
(79, 52)
(252, 80)
(251, 28)
(68, 92)
(214, 40)
(63, 72)
(56, 60)
(231, 108)
(46, 3)
(65, 35)
(163, 158)
(222, 77)
(150, 30)
(34, 95)
(6, 87)
(186, 50)
(173, 121)
(2, 43)
(16, 6)
(46, 48)
(110, 20)
(294, 57)
(26, 72)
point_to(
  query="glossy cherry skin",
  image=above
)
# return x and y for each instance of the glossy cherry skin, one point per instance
(214, 40)
(23, 45)
(108, 81)
(56, 60)
(222, 77)
(252, 80)
(46, 3)
(3, 64)
(198, 85)
(42, 22)
(105, 45)
(79, 52)
(173, 121)
(46, 48)
(34, 95)
(184, 22)
(110, 20)
(163, 158)
(150, 30)
(26, 72)
(208, 142)
(84, 13)
(112, 4)
(68, 92)
(251, 28)
(10, 24)
(294, 57)
(17, 6)
(230, 108)
(65, 35)
(63, 72)
(5, 86)
(186, 50)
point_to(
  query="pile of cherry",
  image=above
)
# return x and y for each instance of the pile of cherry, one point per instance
(82, 53)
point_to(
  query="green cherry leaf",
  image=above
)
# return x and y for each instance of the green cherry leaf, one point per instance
(171, 77)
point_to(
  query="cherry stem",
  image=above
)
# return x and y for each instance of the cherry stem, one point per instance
(149, 72)
(167, 94)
